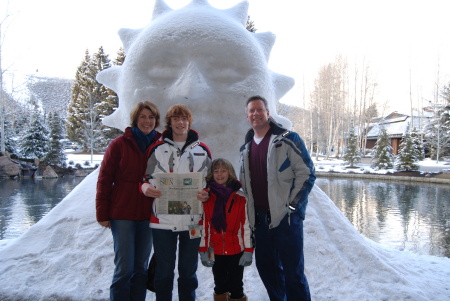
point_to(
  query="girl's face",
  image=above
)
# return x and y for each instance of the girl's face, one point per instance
(221, 175)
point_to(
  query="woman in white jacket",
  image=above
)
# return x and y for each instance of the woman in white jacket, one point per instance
(180, 151)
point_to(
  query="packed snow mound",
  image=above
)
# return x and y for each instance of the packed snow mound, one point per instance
(68, 256)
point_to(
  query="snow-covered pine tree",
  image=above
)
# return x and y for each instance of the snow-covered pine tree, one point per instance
(352, 152)
(55, 155)
(419, 151)
(437, 132)
(383, 157)
(75, 112)
(34, 141)
(90, 102)
(10, 139)
(445, 117)
(110, 102)
(407, 159)
(250, 26)
(120, 58)
(17, 120)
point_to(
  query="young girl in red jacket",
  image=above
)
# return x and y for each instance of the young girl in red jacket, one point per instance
(226, 243)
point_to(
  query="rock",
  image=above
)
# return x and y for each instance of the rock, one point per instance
(49, 173)
(8, 167)
(81, 173)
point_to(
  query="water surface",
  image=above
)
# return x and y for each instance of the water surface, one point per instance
(408, 216)
(24, 202)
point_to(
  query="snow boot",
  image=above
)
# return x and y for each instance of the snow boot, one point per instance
(221, 297)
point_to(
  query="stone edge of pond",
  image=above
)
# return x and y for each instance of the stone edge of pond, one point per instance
(383, 177)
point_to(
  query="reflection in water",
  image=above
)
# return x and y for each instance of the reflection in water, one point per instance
(24, 202)
(413, 217)
(408, 216)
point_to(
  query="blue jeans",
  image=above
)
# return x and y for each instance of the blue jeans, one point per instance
(165, 243)
(132, 247)
(279, 258)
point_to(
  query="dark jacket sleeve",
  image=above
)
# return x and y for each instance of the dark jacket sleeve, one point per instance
(105, 181)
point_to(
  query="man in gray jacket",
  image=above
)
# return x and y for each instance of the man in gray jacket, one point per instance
(277, 174)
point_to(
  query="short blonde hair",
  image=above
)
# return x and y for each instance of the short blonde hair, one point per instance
(221, 162)
(134, 114)
(178, 110)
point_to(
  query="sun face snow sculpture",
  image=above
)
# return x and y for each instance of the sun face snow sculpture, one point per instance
(202, 57)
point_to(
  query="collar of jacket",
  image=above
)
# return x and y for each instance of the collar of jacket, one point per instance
(192, 138)
(275, 127)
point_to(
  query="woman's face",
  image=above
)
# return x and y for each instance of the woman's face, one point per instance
(146, 121)
(221, 175)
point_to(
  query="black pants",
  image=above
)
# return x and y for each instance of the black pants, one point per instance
(228, 275)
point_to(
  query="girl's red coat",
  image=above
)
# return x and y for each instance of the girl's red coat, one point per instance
(237, 237)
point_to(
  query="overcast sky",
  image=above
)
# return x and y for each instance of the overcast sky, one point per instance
(396, 38)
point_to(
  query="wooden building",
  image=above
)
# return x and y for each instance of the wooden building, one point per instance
(396, 125)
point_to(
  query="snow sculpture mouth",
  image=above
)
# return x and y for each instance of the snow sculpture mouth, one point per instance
(202, 57)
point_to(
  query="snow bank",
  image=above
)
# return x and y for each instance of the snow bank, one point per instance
(68, 256)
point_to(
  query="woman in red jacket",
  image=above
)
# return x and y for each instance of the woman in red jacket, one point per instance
(226, 243)
(121, 207)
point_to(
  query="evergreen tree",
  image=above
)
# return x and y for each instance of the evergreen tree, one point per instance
(109, 104)
(250, 26)
(437, 132)
(445, 117)
(34, 142)
(55, 155)
(120, 58)
(419, 151)
(383, 157)
(104, 102)
(352, 153)
(407, 158)
(91, 101)
(10, 139)
(75, 109)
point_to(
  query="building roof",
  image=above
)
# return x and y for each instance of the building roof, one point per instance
(397, 124)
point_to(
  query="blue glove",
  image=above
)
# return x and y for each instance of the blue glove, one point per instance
(246, 259)
(205, 260)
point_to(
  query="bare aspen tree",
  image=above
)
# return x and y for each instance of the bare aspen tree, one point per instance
(436, 102)
(329, 106)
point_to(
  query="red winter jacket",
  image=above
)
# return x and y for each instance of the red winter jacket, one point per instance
(118, 195)
(238, 236)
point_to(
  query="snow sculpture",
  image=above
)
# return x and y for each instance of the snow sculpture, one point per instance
(202, 57)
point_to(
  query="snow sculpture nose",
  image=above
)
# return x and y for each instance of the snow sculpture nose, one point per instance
(191, 84)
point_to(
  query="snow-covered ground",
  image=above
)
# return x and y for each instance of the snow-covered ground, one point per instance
(338, 165)
(322, 165)
(68, 256)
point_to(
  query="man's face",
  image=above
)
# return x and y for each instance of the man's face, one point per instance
(257, 114)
